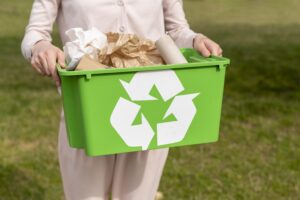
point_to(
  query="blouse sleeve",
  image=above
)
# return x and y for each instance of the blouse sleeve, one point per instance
(176, 24)
(43, 15)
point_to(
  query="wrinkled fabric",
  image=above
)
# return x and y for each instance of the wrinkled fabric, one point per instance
(149, 19)
(127, 176)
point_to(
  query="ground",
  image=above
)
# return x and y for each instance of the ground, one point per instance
(257, 156)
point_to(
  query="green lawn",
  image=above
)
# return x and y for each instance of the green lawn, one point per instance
(258, 155)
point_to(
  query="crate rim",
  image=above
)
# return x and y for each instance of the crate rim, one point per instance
(219, 62)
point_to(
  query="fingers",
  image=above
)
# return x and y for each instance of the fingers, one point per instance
(51, 62)
(36, 65)
(202, 49)
(220, 51)
(207, 47)
(61, 58)
(55, 77)
(44, 64)
(61, 62)
(213, 47)
(44, 59)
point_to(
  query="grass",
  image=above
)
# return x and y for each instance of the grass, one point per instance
(257, 156)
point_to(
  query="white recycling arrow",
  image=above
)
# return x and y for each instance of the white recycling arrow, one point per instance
(184, 110)
(141, 84)
(133, 135)
(138, 89)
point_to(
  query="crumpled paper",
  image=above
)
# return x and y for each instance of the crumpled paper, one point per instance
(86, 63)
(129, 50)
(83, 43)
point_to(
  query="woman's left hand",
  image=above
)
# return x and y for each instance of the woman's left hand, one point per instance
(206, 46)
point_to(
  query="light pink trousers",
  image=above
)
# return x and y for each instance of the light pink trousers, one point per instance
(128, 176)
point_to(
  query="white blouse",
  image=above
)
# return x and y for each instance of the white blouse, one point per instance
(147, 18)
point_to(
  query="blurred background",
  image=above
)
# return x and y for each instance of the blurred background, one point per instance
(258, 155)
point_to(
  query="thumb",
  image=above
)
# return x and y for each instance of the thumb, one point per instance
(56, 78)
(61, 58)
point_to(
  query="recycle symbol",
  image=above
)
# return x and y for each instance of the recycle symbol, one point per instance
(138, 89)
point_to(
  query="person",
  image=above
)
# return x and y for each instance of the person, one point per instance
(127, 176)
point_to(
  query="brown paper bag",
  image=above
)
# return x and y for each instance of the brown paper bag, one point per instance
(86, 63)
(128, 50)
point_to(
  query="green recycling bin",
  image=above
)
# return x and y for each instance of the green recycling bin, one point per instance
(109, 111)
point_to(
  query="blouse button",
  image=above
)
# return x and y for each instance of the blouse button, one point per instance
(122, 28)
(120, 3)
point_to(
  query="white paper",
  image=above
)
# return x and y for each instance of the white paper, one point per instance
(169, 51)
(83, 43)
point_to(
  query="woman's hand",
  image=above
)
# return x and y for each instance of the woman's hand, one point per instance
(206, 46)
(44, 59)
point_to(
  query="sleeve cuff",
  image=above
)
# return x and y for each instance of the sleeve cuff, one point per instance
(29, 40)
(189, 39)
(184, 38)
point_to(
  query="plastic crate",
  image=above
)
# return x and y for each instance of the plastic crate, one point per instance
(109, 111)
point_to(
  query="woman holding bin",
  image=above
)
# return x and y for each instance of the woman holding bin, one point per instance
(126, 176)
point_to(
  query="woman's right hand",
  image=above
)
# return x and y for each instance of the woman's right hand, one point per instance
(44, 59)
